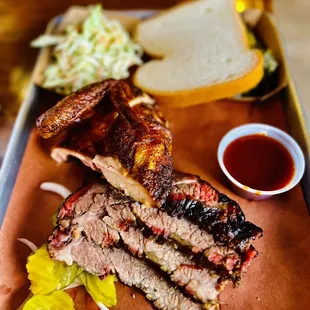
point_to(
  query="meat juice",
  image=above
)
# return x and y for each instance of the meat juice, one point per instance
(259, 162)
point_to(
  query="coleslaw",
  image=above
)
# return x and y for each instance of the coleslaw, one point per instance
(98, 49)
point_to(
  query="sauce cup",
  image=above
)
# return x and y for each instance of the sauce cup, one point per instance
(272, 132)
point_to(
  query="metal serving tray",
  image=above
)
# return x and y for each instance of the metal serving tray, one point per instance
(295, 115)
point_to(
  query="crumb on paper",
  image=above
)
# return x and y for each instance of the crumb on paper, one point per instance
(257, 298)
(133, 296)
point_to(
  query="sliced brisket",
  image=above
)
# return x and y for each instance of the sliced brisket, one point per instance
(230, 261)
(114, 224)
(196, 200)
(188, 235)
(98, 226)
(130, 270)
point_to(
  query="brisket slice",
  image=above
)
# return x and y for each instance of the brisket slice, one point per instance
(115, 129)
(227, 261)
(105, 219)
(130, 270)
(202, 284)
(197, 216)
(197, 201)
(68, 244)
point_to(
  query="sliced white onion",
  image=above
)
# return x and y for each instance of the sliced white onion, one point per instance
(101, 306)
(29, 244)
(55, 188)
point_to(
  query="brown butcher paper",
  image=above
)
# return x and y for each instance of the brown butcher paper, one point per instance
(277, 279)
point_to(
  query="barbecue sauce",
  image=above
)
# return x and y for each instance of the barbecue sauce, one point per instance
(259, 162)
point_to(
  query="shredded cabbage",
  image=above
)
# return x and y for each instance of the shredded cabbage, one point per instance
(47, 275)
(102, 291)
(270, 66)
(58, 300)
(270, 63)
(98, 49)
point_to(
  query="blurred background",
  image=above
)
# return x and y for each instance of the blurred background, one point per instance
(22, 21)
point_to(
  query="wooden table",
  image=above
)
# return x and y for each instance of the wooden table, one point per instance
(21, 21)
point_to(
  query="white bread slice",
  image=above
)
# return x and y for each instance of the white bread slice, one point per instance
(204, 51)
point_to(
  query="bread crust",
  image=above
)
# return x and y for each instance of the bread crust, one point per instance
(209, 92)
(190, 97)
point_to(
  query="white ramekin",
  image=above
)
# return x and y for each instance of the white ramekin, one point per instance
(270, 131)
